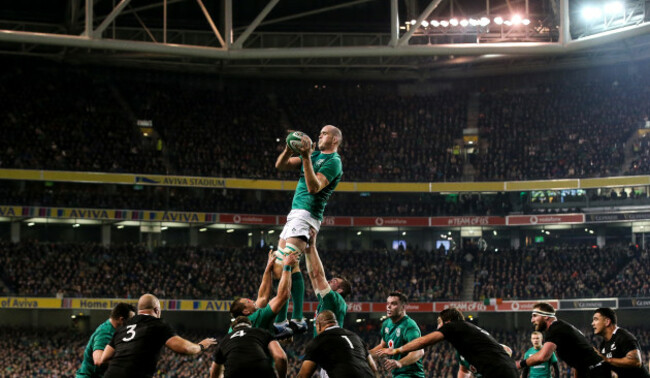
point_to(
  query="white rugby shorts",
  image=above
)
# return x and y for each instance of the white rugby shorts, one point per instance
(298, 223)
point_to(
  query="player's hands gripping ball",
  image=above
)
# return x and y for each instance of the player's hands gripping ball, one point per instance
(299, 142)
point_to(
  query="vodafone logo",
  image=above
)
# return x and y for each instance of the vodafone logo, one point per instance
(515, 306)
(533, 219)
(379, 221)
(236, 218)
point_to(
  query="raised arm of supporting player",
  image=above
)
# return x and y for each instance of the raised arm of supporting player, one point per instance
(284, 287)
(264, 293)
(107, 355)
(543, 355)
(307, 369)
(419, 343)
(279, 357)
(315, 266)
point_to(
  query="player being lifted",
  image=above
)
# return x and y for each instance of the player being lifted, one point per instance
(320, 174)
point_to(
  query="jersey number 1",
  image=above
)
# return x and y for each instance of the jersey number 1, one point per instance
(348, 340)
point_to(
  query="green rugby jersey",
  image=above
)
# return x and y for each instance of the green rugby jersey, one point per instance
(542, 370)
(262, 318)
(398, 334)
(98, 341)
(330, 166)
(334, 302)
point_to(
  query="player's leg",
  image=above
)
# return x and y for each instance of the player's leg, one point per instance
(292, 245)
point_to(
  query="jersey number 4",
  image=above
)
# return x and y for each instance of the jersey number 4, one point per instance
(130, 331)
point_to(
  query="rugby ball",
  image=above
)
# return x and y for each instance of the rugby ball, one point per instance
(294, 141)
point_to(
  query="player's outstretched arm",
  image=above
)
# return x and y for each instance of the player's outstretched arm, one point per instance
(284, 287)
(419, 343)
(372, 364)
(216, 370)
(279, 357)
(107, 355)
(379, 346)
(182, 346)
(631, 359)
(264, 293)
(543, 355)
(285, 162)
(315, 265)
(407, 360)
(315, 181)
(307, 369)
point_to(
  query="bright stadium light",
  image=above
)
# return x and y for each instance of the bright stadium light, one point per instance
(359, 233)
(507, 23)
(163, 228)
(464, 23)
(425, 23)
(525, 21)
(204, 229)
(444, 23)
(435, 23)
(271, 232)
(516, 19)
(230, 230)
(614, 7)
(412, 22)
(453, 22)
(121, 226)
(30, 224)
(498, 20)
(485, 21)
(473, 22)
(591, 13)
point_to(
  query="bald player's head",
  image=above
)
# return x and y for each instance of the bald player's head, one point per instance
(325, 320)
(149, 304)
(330, 138)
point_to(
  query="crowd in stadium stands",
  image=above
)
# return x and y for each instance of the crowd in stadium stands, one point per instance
(85, 119)
(641, 153)
(559, 129)
(57, 352)
(89, 270)
(567, 272)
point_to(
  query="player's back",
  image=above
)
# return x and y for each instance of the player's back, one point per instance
(137, 347)
(341, 353)
(245, 353)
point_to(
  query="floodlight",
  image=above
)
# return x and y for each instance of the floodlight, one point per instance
(516, 19)
(425, 23)
(473, 22)
(444, 23)
(498, 20)
(412, 22)
(525, 21)
(464, 23)
(591, 13)
(507, 23)
(485, 21)
(453, 22)
(435, 23)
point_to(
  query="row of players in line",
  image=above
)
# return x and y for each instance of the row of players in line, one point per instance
(249, 348)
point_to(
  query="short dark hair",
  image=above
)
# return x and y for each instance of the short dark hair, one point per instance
(345, 286)
(403, 299)
(451, 315)
(546, 307)
(608, 313)
(122, 310)
(326, 317)
(237, 307)
(241, 321)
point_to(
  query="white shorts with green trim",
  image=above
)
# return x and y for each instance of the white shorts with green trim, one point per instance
(298, 223)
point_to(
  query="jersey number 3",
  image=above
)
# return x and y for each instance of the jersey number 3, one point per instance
(130, 331)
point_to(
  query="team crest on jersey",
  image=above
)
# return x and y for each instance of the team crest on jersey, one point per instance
(603, 351)
(386, 330)
(398, 332)
(390, 343)
(613, 347)
(319, 162)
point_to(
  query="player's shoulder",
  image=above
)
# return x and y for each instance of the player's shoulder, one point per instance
(409, 322)
(624, 334)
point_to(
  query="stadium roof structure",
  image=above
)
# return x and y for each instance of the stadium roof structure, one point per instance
(371, 39)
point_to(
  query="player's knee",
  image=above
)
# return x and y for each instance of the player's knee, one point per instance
(287, 250)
